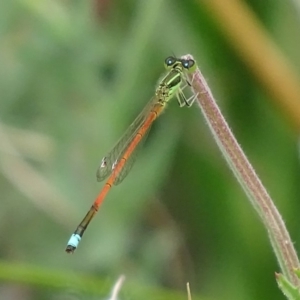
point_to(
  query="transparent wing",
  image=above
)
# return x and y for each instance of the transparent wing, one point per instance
(108, 161)
(131, 160)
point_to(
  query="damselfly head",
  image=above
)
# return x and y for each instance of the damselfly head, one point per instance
(188, 64)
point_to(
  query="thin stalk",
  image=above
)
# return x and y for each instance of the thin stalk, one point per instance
(244, 172)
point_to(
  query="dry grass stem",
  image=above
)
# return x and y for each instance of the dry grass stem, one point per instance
(244, 172)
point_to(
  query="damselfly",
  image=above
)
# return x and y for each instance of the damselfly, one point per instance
(119, 161)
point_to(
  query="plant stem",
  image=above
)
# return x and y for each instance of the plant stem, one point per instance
(244, 172)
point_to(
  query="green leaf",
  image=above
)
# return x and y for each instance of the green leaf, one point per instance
(288, 289)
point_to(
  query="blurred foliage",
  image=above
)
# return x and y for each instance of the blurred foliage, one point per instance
(73, 76)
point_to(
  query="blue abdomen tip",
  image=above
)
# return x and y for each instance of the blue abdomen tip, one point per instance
(74, 240)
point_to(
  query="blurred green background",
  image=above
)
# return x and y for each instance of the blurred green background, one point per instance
(73, 76)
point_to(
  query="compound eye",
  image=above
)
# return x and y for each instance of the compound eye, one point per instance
(188, 64)
(170, 61)
(191, 63)
(185, 64)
